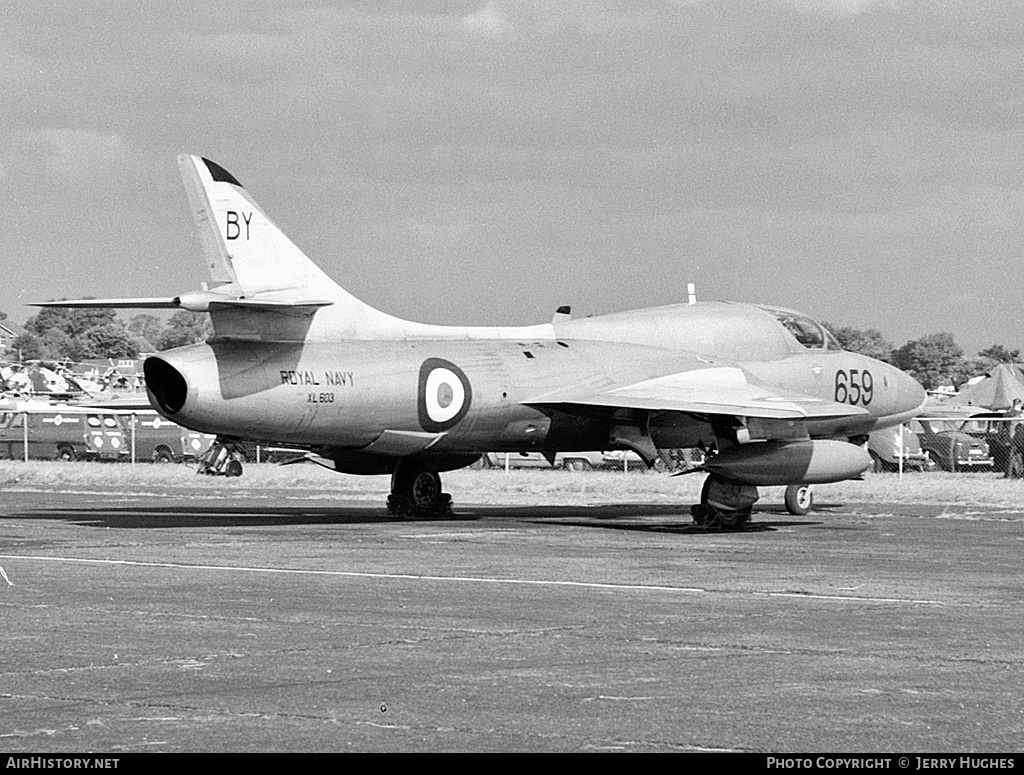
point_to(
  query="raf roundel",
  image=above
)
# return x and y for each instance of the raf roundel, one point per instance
(444, 395)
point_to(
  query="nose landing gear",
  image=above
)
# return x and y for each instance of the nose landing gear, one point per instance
(799, 499)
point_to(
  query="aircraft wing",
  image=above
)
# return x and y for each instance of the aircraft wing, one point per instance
(712, 390)
(195, 302)
(137, 303)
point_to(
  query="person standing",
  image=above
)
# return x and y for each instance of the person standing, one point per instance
(1010, 437)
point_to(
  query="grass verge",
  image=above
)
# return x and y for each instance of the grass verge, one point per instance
(523, 487)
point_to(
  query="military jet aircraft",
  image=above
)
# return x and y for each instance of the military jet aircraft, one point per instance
(767, 392)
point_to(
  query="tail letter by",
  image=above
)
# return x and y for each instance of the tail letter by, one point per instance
(232, 229)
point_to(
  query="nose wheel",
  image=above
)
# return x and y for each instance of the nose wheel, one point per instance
(416, 494)
(799, 499)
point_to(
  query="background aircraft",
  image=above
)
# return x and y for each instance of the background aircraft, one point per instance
(297, 359)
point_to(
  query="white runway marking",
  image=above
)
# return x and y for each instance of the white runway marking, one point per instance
(464, 579)
(361, 574)
(854, 598)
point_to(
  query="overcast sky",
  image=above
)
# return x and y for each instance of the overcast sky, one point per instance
(484, 162)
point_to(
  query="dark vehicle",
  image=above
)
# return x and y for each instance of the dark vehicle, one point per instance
(948, 442)
(161, 441)
(52, 435)
(69, 433)
(571, 461)
(1003, 436)
(888, 453)
(610, 460)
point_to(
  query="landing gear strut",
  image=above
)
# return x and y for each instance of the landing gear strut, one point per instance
(724, 504)
(416, 494)
(223, 458)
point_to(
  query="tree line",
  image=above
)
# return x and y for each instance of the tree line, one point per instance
(60, 334)
(933, 360)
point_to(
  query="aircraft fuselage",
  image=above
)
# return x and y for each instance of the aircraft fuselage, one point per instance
(466, 395)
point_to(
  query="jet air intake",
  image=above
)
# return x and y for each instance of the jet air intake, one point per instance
(770, 463)
(166, 386)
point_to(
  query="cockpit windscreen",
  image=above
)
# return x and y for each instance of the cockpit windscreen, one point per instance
(805, 330)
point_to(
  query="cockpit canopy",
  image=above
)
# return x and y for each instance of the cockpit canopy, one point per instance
(807, 331)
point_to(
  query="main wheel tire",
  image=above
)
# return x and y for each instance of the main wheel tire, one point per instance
(799, 499)
(233, 468)
(734, 520)
(65, 454)
(162, 455)
(425, 492)
(707, 515)
(421, 487)
(704, 491)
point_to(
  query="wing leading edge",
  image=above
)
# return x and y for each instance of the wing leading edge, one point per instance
(194, 302)
(712, 390)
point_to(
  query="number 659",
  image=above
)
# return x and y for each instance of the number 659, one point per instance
(855, 386)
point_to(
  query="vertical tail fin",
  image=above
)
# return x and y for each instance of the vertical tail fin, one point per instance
(243, 247)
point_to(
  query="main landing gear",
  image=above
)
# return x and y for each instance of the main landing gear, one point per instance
(416, 494)
(724, 504)
(728, 506)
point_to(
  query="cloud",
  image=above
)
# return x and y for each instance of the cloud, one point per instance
(79, 157)
(836, 7)
(488, 22)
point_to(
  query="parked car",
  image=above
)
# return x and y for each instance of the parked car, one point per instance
(159, 440)
(52, 435)
(61, 433)
(949, 444)
(999, 432)
(887, 452)
(570, 461)
(71, 433)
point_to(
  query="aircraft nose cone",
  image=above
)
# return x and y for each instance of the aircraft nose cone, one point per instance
(907, 399)
(912, 395)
